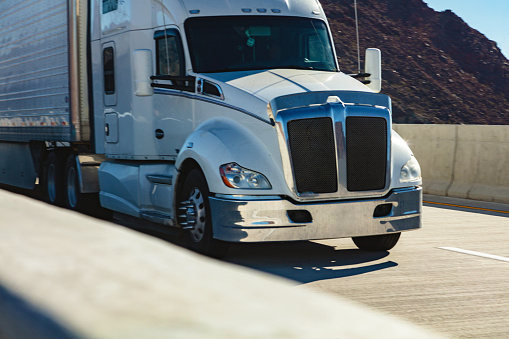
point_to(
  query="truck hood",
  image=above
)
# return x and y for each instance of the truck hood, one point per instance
(269, 84)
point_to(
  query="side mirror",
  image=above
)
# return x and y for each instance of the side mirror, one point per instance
(142, 61)
(373, 66)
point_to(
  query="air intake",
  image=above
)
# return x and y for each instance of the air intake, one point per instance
(366, 152)
(313, 155)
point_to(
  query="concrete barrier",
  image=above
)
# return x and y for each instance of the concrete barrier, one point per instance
(64, 275)
(462, 161)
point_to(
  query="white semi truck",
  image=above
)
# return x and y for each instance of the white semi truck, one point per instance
(226, 119)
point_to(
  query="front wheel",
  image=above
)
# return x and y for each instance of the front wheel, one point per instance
(195, 218)
(377, 242)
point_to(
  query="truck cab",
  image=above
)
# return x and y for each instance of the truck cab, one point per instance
(233, 122)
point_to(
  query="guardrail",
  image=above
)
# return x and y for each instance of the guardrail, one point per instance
(462, 161)
(64, 275)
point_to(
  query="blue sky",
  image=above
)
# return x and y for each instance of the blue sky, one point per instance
(490, 17)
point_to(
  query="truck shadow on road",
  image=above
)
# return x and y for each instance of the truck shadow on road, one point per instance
(306, 262)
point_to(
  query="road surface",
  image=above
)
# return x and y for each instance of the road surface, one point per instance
(452, 276)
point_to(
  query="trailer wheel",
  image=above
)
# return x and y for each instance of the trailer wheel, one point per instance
(194, 217)
(52, 178)
(377, 242)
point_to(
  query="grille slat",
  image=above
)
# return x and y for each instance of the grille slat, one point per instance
(313, 155)
(366, 152)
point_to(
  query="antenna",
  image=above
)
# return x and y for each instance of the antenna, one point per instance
(357, 33)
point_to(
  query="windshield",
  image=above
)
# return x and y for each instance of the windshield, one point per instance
(220, 44)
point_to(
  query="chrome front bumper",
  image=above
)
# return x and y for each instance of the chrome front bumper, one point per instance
(248, 219)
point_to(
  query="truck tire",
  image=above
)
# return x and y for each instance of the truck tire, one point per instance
(194, 217)
(52, 174)
(73, 198)
(377, 242)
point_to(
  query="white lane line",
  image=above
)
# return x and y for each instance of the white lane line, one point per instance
(479, 254)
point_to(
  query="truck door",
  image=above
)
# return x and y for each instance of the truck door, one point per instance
(173, 99)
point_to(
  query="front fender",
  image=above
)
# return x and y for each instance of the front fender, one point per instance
(220, 141)
(401, 153)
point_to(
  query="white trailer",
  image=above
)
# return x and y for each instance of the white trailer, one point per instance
(228, 120)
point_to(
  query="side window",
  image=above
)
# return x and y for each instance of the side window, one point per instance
(109, 76)
(169, 54)
(109, 70)
(109, 5)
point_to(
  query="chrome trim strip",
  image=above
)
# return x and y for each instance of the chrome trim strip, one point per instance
(200, 83)
(157, 217)
(320, 97)
(268, 227)
(160, 179)
(248, 197)
(209, 100)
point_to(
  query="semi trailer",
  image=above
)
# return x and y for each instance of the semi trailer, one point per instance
(229, 121)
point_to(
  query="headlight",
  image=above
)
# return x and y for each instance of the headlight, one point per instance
(411, 171)
(235, 176)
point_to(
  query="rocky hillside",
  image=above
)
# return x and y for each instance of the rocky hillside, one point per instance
(435, 67)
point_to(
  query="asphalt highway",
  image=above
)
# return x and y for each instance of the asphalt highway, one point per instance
(451, 276)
